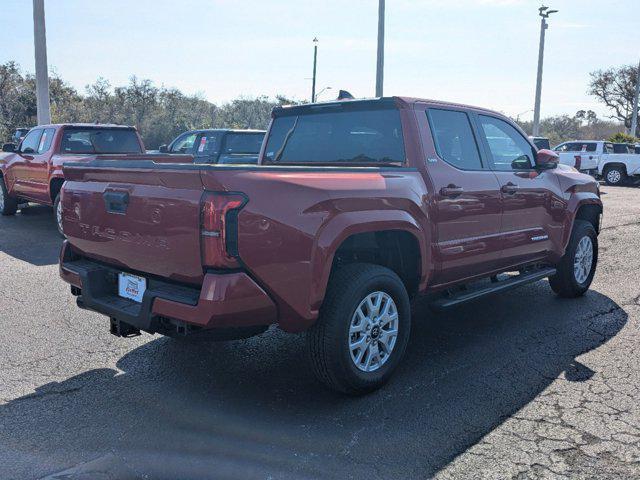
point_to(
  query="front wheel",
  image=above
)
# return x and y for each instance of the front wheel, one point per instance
(363, 329)
(578, 265)
(8, 205)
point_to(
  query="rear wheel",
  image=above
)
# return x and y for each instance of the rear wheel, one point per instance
(363, 329)
(615, 175)
(57, 210)
(578, 265)
(8, 205)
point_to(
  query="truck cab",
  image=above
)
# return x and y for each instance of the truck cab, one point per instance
(218, 145)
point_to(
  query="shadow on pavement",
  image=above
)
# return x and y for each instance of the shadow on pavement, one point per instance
(252, 409)
(31, 236)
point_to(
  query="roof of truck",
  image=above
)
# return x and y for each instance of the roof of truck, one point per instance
(383, 100)
(84, 125)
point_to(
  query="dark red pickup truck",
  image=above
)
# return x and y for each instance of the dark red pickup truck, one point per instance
(356, 208)
(32, 170)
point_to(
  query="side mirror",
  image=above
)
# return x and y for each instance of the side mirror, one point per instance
(9, 147)
(521, 163)
(163, 149)
(547, 159)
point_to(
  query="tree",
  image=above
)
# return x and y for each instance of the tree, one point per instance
(622, 137)
(615, 87)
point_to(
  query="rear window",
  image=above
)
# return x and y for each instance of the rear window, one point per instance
(99, 140)
(349, 136)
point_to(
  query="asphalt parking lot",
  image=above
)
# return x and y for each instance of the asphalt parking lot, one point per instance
(523, 385)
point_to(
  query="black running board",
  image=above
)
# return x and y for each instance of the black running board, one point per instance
(465, 296)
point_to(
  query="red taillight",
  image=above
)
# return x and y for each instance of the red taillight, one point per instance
(578, 162)
(219, 229)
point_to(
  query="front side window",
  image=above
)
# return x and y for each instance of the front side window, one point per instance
(351, 136)
(184, 144)
(31, 142)
(454, 139)
(78, 140)
(508, 149)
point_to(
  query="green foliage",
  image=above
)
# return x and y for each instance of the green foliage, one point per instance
(584, 125)
(622, 137)
(159, 113)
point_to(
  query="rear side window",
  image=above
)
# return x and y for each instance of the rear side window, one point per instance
(243, 143)
(45, 140)
(454, 139)
(340, 136)
(621, 148)
(99, 140)
(578, 147)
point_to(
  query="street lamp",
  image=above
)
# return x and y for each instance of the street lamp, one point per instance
(634, 116)
(42, 75)
(315, 63)
(544, 12)
(321, 92)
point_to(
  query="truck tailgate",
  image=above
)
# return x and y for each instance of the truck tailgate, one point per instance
(142, 220)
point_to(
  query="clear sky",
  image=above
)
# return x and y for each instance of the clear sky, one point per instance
(481, 52)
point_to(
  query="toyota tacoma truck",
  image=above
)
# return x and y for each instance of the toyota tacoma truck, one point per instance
(355, 208)
(32, 170)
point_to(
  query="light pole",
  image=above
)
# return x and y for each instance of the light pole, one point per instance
(544, 12)
(380, 59)
(315, 64)
(634, 116)
(321, 92)
(42, 75)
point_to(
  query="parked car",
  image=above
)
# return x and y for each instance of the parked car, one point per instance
(599, 158)
(218, 145)
(19, 134)
(356, 207)
(32, 170)
(541, 142)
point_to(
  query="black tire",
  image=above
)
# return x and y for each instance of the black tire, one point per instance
(56, 217)
(564, 282)
(8, 204)
(614, 175)
(328, 340)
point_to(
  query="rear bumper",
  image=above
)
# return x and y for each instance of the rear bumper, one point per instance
(224, 300)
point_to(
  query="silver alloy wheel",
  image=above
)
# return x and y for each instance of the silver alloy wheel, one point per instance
(373, 331)
(614, 176)
(59, 215)
(583, 260)
(1, 199)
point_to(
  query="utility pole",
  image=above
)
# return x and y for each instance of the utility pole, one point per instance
(42, 75)
(544, 12)
(315, 64)
(380, 63)
(634, 116)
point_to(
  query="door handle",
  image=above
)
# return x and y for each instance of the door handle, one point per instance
(509, 188)
(451, 191)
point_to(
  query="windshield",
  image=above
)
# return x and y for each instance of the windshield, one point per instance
(339, 136)
(100, 140)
